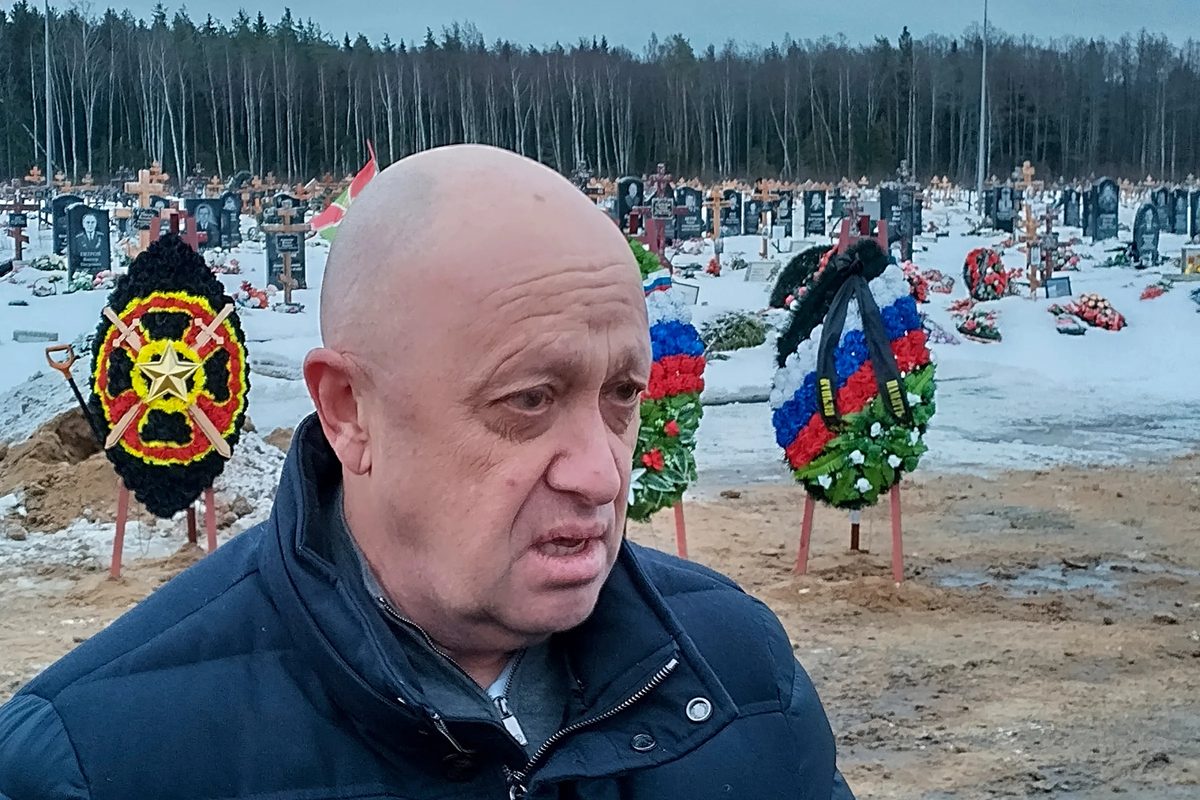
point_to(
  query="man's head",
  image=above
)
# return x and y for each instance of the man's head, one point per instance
(89, 224)
(480, 384)
(203, 215)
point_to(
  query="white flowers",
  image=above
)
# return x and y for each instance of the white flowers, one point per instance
(635, 483)
(894, 461)
(876, 429)
(863, 485)
(857, 458)
(913, 436)
(824, 481)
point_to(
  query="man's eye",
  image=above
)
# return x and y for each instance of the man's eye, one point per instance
(627, 392)
(533, 400)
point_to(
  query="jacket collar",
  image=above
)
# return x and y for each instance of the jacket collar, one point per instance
(366, 671)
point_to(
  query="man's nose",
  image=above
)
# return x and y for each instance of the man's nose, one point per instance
(586, 464)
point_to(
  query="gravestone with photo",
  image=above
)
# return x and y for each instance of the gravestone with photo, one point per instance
(630, 195)
(1179, 212)
(1070, 207)
(731, 215)
(159, 203)
(904, 218)
(1089, 212)
(58, 215)
(89, 248)
(1006, 208)
(690, 224)
(1146, 235)
(889, 204)
(231, 220)
(785, 211)
(1107, 209)
(751, 216)
(207, 215)
(989, 205)
(814, 212)
(286, 253)
(1161, 198)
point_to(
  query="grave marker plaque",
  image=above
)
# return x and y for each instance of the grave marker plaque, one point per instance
(731, 216)
(89, 249)
(690, 224)
(1107, 208)
(277, 245)
(814, 212)
(1145, 234)
(143, 218)
(760, 271)
(58, 215)
(785, 210)
(630, 195)
(231, 220)
(662, 208)
(207, 215)
(18, 219)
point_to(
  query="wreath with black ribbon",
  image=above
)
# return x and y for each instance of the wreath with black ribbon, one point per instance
(170, 377)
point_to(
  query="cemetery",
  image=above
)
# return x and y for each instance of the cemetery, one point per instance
(948, 430)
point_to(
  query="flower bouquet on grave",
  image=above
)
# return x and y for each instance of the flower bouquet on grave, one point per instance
(1157, 289)
(935, 333)
(663, 464)
(918, 283)
(979, 326)
(249, 297)
(49, 263)
(1097, 312)
(714, 267)
(737, 262)
(961, 306)
(852, 441)
(938, 283)
(985, 276)
(1122, 257)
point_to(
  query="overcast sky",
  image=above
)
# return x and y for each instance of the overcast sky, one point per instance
(630, 22)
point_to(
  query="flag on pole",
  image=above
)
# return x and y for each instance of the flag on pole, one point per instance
(326, 223)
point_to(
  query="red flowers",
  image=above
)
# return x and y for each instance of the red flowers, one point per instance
(714, 266)
(672, 375)
(653, 460)
(671, 428)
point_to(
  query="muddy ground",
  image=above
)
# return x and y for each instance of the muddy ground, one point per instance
(1045, 641)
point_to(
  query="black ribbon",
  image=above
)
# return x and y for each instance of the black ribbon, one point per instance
(879, 349)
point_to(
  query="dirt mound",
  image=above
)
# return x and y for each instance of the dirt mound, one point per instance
(63, 475)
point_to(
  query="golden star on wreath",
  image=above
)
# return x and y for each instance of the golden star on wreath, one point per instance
(168, 375)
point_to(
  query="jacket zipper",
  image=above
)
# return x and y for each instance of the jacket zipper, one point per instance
(507, 717)
(518, 780)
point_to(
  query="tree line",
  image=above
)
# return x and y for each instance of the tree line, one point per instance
(290, 99)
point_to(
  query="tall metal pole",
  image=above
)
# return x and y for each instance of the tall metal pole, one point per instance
(49, 139)
(982, 112)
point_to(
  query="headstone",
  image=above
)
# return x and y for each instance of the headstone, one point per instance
(889, 204)
(143, 219)
(785, 209)
(89, 249)
(989, 205)
(1161, 197)
(918, 213)
(58, 215)
(760, 271)
(904, 218)
(751, 216)
(1059, 286)
(731, 217)
(159, 203)
(814, 212)
(1194, 230)
(1070, 207)
(1006, 208)
(1145, 234)
(231, 220)
(838, 205)
(1089, 212)
(630, 195)
(1179, 212)
(1107, 208)
(207, 213)
(690, 224)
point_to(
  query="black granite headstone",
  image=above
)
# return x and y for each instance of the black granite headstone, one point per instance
(1070, 208)
(629, 196)
(1108, 206)
(89, 249)
(158, 202)
(751, 216)
(989, 205)
(785, 211)
(206, 214)
(1161, 198)
(837, 205)
(1006, 208)
(277, 245)
(814, 212)
(1179, 212)
(690, 224)
(1194, 202)
(731, 217)
(58, 215)
(231, 220)
(1145, 234)
(889, 204)
(1089, 212)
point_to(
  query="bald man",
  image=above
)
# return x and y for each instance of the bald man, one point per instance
(442, 603)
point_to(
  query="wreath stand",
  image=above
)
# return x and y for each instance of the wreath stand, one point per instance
(810, 506)
(855, 226)
(210, 525)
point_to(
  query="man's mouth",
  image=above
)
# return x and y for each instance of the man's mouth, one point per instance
(563, 546)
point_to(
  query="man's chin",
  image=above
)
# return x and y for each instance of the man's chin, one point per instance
(555, 611)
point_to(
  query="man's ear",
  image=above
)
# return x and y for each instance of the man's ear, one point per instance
(334, 383)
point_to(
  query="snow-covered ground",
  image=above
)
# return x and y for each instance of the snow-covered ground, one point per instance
(1035, 399)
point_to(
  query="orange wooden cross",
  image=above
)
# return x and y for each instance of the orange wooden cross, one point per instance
(716, 202)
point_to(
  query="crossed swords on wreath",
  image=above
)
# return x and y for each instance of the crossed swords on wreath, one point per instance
(208, 332)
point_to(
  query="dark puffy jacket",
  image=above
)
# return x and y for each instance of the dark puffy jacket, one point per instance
(264, 672)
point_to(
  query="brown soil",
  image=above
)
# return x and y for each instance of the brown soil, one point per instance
(280, 437)
(1071, 670)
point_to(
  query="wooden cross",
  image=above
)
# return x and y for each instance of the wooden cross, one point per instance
(156, 173)
(87, 185)
(35, 176)
(1027, 173)
(716, 203)
(17, 232)
(143, 188)
(1030, 237)
(213, 187)
(286, 279)
(62, 184)
(764, 196)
